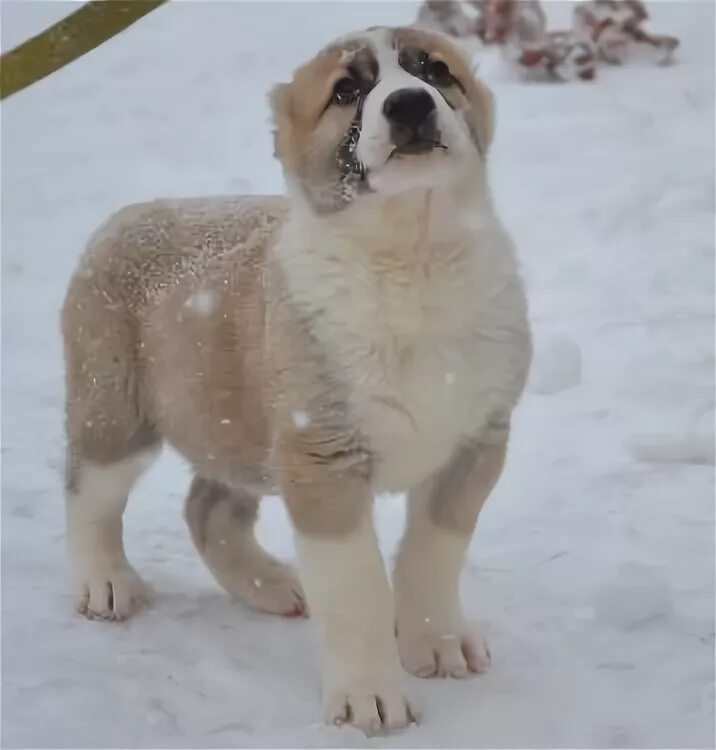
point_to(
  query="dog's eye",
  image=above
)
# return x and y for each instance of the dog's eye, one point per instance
(437, 73)
(432, 71)
(346, 91)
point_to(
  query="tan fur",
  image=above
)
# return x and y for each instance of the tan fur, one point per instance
(297, 106)
(324, 480)
(143, 361)
(221, 522)
(306, 134)
(459, 491)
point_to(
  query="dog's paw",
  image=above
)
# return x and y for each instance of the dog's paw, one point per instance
(112, 592)
(274, 588)
(446, 654)
(382, 709)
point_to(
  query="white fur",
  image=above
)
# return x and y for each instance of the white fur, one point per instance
(411, 286)
(349, 596)
(433, 637)
(437, 291)
(107, 586)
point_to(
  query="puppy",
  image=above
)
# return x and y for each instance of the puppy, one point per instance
(367, 333)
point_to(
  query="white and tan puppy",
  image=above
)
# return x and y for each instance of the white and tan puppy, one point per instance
(366, 333)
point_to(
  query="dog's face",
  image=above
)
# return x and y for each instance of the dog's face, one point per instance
(383, 111)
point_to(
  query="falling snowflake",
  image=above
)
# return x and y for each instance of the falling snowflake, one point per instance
(301, 419)
(449, 378)
(202, 302)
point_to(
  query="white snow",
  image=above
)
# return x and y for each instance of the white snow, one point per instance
(608, 190)
(557, 365)
(636, 595)
(670, 449)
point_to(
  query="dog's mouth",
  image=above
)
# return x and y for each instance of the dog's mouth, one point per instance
(416, 148)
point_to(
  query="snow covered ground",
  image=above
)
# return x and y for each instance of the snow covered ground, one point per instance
(592, 569)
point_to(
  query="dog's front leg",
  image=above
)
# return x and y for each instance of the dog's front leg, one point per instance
(328, 496)
(433, 638)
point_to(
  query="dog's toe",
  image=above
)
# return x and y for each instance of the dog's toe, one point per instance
(384, 710)
(457, 655)
(112, 594)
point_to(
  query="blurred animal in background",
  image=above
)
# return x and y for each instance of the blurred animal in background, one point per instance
(602, 31)
(616, 29)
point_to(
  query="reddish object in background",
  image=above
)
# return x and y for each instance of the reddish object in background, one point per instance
(602, 31)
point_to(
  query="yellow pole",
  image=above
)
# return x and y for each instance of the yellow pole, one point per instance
(68, 39)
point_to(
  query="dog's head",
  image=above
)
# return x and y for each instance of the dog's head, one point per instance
(382, 111)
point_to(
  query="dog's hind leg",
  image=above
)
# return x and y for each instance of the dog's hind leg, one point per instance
(111, 441)
(221, 521)
(107, 586)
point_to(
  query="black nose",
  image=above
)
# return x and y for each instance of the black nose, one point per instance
(409, 108)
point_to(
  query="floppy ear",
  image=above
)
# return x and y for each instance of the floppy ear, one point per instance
(280, 102)
(483, 104)
(481, 98)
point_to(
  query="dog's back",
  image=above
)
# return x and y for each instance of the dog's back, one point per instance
(142, 268)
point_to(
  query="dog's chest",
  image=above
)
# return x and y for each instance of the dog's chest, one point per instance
(427, 342)
(413, 406)
(409, 354)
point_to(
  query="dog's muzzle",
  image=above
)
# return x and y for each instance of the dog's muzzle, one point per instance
(412, 115)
